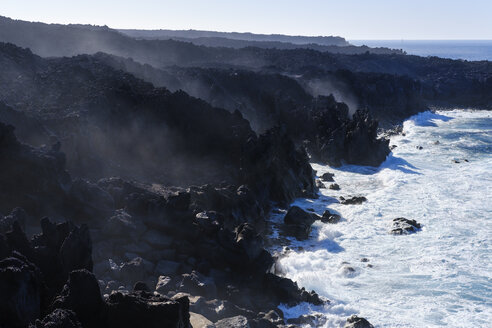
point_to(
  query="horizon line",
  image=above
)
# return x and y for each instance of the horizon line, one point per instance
(237, 31)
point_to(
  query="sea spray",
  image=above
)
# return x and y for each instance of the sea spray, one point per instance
(439, 175)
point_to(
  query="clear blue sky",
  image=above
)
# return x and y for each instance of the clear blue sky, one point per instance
(352, 19)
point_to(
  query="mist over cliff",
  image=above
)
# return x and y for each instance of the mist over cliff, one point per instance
(140, 169)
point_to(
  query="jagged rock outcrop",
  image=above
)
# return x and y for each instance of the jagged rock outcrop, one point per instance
(59, 318)
(21, 292)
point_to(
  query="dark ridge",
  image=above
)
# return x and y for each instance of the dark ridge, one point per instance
(196, 34)
(444, 82)
(238, 44)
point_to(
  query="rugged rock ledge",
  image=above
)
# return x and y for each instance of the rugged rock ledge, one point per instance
(198, 245)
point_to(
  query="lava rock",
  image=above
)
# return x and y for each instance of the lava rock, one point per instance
(59, 318)
(250, 242)
(329, 217)
(21, 292)
(298, 222)
(334, 186)
(142, 309)
(356, 200)
(328, 177)
(402, 226)
(82, 295)
(357, 322)
(283, 290)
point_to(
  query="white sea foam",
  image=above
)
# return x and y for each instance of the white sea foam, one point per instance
(441, 275)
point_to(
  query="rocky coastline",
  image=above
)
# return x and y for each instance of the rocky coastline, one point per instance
(131, 198)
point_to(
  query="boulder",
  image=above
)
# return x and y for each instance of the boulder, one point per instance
(328, 177)
(234, 322)
(142, 309)
(82, 295)
(402, 226)
(357, 322)
(356, 200)
(298, 222)
(59, 318)
(250, 242)
(329, 217)
(283, 290)
(334, 186)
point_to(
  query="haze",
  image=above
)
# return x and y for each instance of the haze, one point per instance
(352, 19)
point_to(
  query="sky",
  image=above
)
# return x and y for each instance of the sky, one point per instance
(352, 19)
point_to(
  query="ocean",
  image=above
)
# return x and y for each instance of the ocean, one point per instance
(438, 174)
(454, 49)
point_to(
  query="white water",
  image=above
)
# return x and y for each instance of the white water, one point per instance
(439, 276)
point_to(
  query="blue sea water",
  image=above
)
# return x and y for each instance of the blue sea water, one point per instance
(440, 175)
(472, 50)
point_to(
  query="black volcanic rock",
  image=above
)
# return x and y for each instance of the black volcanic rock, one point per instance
(142, 309)
(81, 295)
(329, 217)
(328, 177)
(355, 200)
(298, 222)
(286, 291)
(403, 226)
(273, 167)
(21, 292)
(59, 318)
(357, 322)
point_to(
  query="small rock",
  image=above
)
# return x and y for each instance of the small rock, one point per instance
(329, 217)
(320, 184)
(353, 201)
(357, 322)
(402, 226)
(234, 322)
(334, 186)
(328, 177)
